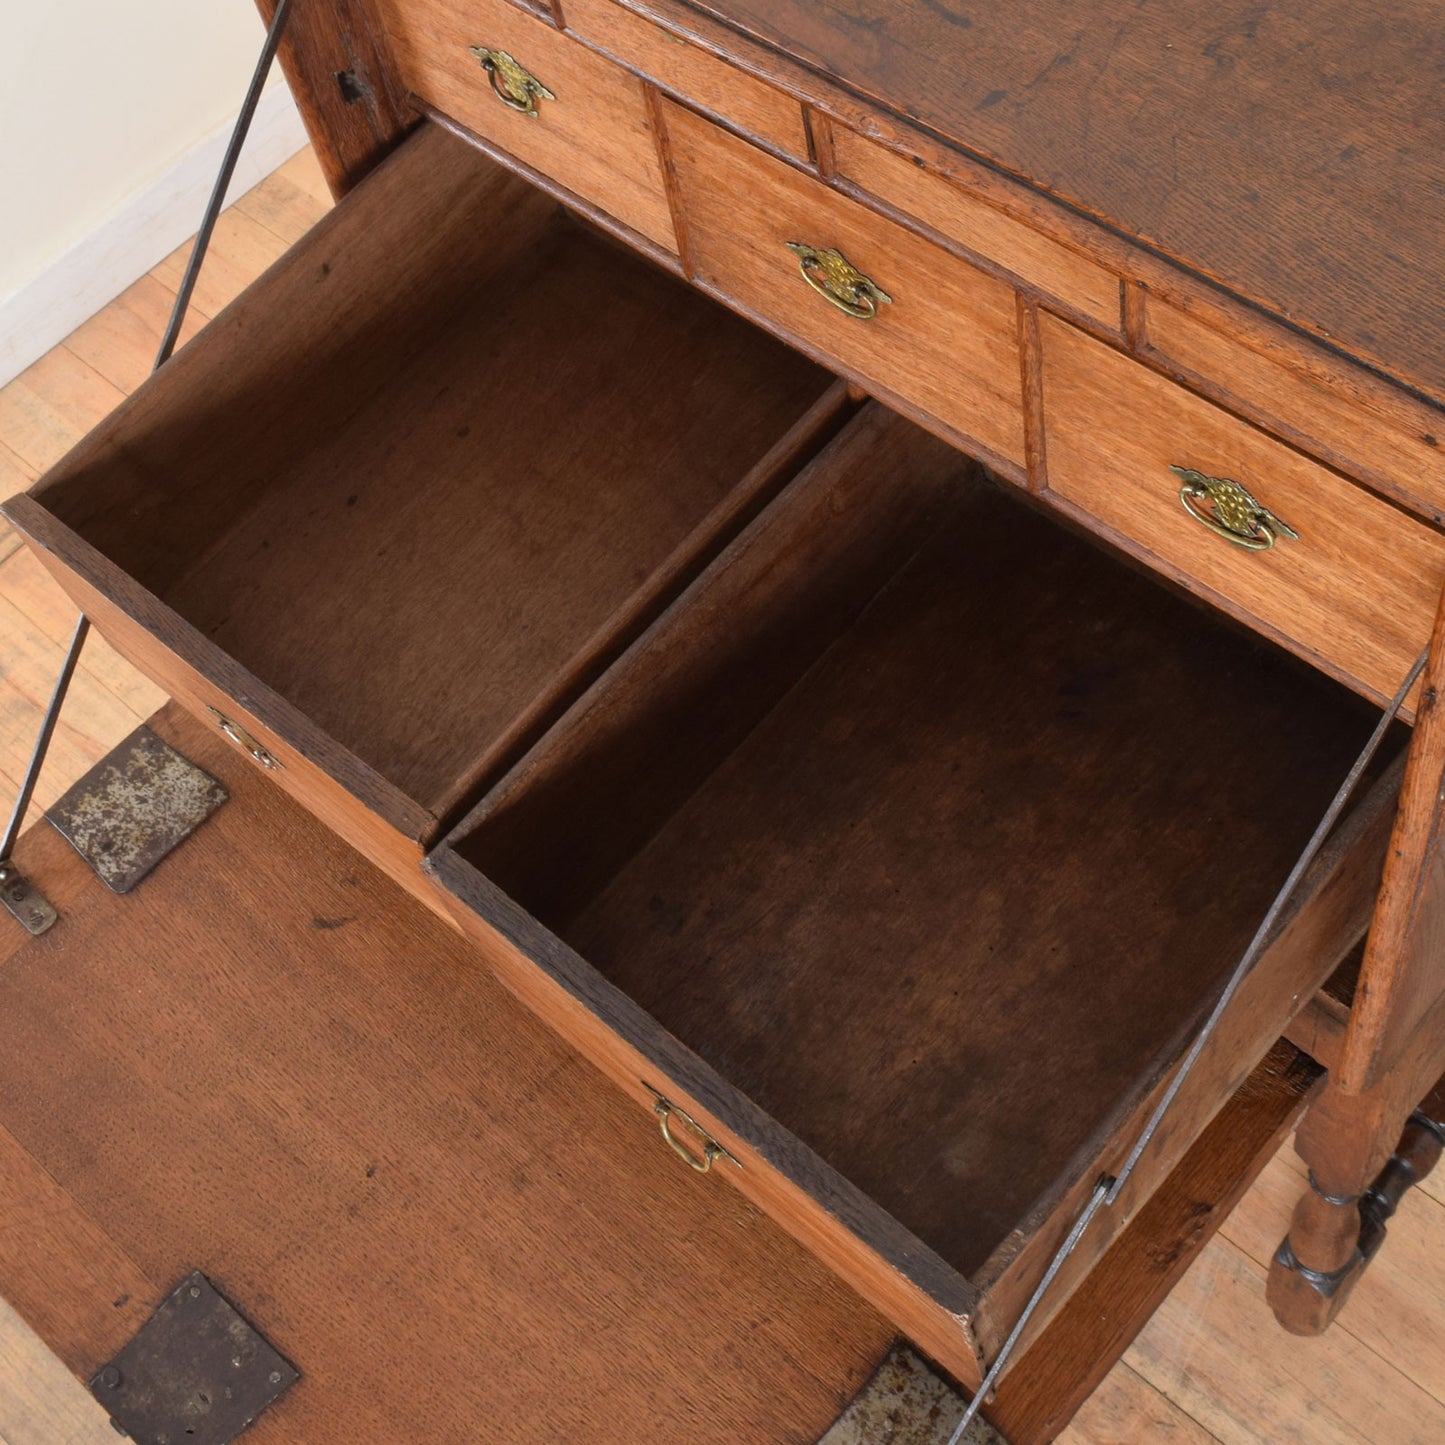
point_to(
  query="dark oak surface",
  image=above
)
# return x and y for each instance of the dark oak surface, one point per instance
(1295, 154)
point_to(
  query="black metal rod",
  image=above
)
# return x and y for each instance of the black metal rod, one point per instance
(223, 181)
(42, 742)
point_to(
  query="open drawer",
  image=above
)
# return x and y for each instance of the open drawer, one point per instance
(896, 863)
(395, 507)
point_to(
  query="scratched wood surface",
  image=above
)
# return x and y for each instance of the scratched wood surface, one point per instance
(1211, 1366)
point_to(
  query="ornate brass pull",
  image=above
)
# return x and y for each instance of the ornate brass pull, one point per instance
(1226, 508)
(702, 1162)
(513, 84)
(245, 741)
(833, 276)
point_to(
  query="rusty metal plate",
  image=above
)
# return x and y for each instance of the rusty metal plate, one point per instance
(907, 1403)
(139, 803)
(195, 1374)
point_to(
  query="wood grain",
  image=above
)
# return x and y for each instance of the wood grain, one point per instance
(1320, 407)
(1403, 977)
(728, 94)
(1042, 264)
(948, 343)
(595, 138)
(627, 459)
(690, 900)
(351, 128)
(1292, 155)
(382, 1161)
(1355, 594)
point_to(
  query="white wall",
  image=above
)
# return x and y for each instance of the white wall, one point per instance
(105, 109)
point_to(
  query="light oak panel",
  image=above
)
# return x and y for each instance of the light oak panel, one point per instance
(1355, 594)
(1379, 437)
(695, 74)
(596, 138)
(1043, 264)
(948, 344)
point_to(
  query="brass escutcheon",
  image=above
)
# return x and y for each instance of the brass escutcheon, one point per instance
(833, 276)
(666, 1112)
(513, 84)
(245, 741)
(1226, 508)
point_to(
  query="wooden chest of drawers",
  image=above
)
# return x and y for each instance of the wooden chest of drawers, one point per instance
(882, 837)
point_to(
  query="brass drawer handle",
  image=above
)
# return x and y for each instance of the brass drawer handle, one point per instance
(245, 741)
(702, 1162)
(1227, 509)
(833, 276)
(512, 83)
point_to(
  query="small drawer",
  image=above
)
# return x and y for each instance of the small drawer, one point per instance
(944, 341)
(1390, 440)
(1354, 591)
(400, 503)
(893, 856)
(554, 104)
(740, 100)
(1041, 263)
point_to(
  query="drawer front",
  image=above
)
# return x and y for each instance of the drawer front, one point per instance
(754, 1154)
(181, 662)
(1354, 592)
(592, 133)
(946, 343)
(747, 104)
(1041, 263)
(1395, 444)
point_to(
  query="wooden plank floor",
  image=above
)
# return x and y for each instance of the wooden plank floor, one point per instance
(1212, 1366)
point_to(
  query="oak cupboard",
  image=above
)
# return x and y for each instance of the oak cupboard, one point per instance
(851, 595)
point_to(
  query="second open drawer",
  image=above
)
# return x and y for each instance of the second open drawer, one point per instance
(895, 863)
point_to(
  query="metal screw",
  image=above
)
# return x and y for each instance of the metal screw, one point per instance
(110, 1377)
(275, 1377)
(195, 1291)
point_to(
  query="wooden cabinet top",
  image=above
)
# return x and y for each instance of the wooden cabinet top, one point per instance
(1294, 154)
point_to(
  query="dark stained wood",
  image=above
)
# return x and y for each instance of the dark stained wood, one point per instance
(352, 124)
(1293, 154)
(791, 840)
(919, 974)
(1046, 1385)
(1403, 976)
(306, 1087)
(555, 435)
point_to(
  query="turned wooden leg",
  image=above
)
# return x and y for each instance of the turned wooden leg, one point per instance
(1340, 1223)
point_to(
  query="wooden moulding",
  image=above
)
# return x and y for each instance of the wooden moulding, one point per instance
(795, 862)
(480, 469)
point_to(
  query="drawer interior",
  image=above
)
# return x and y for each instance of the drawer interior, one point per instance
(437, 466)
(928, 825)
